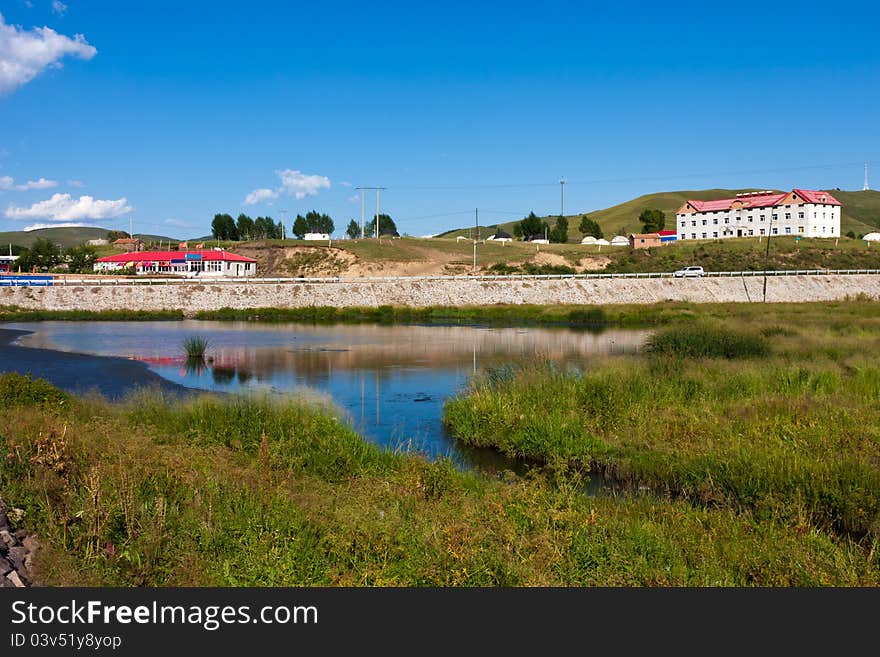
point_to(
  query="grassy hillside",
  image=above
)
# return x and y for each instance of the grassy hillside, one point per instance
(65, 236)
(861, 212)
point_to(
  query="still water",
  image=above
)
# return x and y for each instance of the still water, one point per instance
(390, 380)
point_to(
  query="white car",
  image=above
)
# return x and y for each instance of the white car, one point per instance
(689, 272)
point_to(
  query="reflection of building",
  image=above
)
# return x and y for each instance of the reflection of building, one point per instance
(215, 262)
(801, 212)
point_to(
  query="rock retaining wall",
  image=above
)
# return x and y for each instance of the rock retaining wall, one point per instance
(17, 549)
(193, 297)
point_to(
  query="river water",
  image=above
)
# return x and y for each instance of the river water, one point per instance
(391, 381)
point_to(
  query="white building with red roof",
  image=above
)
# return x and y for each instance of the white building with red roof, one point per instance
(800, 212)
(207, 263)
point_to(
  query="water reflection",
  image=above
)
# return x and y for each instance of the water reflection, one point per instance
(391, 380)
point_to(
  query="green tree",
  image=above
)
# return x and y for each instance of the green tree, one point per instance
(652, 220)
(313, 222)
(386, 225)
(114, 235)
(590, 227)
(44, 254)
(80, 258)
(265, 228)
(244, 226)
(531, 225)
(851, 234)
(353, 230)
(223, 227)
(559, 234)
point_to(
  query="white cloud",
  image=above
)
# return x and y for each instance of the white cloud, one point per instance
(299, 185)
(62, 225)
(293, 183)
(7, 182)
(260, 195)
(24, 55)
(59, 7)
(178, 223)
(63, 207)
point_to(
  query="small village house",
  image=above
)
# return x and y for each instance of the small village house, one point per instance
(644, 240)
(7, 262)
(210, 263)
(129, 244)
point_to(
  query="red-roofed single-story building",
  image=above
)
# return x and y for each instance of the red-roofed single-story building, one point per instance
(801, 212)
(211, 263)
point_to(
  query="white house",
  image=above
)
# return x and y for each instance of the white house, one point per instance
(316, 236)
(7, 263)
(210, 263)
(801, 212)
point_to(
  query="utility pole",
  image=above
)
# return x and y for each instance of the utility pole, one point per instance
(767, 253)
(562, 197)
(378, 189)
(476, 235)
(282, 212)
(865, 188)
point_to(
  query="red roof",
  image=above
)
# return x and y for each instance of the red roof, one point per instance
(762, 200)
(811, 196)
(144, 256)
(666, 233)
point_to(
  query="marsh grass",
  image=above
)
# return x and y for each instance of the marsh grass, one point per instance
(195, 347)
(265, 492)
(793, 435)
(708, 341)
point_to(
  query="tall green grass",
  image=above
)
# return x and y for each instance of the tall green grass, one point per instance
(255, 491)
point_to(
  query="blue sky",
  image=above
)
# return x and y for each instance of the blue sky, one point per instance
(164, 113)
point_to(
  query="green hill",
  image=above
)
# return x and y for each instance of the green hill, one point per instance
(861, 212)
(66, 236)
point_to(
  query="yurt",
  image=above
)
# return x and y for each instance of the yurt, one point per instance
(589, 239)
(619, 240)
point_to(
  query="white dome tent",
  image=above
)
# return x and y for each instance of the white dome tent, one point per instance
(871, 237)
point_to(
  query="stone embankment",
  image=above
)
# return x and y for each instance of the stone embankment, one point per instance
(17, 550)
(194, 296)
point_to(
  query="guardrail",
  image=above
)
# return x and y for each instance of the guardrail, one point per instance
(104, 282)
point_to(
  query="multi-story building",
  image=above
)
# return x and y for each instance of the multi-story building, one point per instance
(800, 212)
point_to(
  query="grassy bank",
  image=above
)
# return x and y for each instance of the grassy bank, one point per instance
(16, 314)
(252, 492)
(774, 413)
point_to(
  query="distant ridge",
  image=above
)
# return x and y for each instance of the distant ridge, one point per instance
(66, 236)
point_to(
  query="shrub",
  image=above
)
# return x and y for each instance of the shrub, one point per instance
(23, 390)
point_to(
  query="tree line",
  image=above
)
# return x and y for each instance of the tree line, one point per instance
(45, 255)
(533, 226)
(224, 227)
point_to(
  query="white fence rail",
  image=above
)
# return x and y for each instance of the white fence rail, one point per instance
(103, 282)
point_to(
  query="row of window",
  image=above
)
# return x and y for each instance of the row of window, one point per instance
(762, 231)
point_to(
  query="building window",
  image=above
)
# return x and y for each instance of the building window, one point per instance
(693, 223)
(775, 230)
(693, 236)
(726, 220)
(800, 229)
(763, 231)
(704, 235)
(704, 221)
(751, 232)
(750, 220)
(788, 216)
(788, 230)
(715, 221)
(715, 234)
(800, 215)
(775, 216)
(762, 217)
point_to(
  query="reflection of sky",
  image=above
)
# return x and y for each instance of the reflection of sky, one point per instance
(391, 380)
